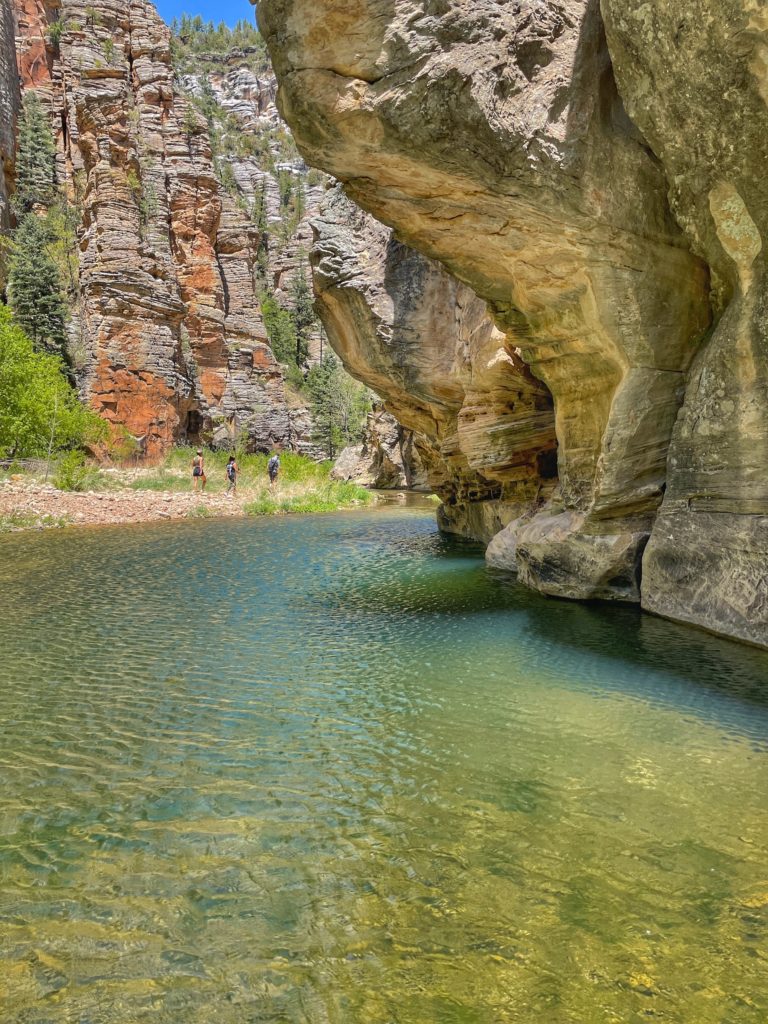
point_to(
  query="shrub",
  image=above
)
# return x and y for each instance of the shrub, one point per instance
(38, 406)
(74, 474)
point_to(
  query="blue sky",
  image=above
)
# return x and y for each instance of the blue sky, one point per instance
(209, 10)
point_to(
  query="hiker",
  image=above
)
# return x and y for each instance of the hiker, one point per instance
(232, 472)
(198, 471)
(273, 468)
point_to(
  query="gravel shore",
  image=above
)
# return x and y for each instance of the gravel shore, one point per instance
(30, 505)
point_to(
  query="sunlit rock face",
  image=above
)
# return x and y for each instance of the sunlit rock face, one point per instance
(165, 329)
(425, 342)
(695, 79)
(492, 137)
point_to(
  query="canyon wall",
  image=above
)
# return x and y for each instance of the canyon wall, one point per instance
(695, 80)
(165, 328)
(610, 222)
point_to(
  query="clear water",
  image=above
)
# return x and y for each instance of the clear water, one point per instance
(331, 769)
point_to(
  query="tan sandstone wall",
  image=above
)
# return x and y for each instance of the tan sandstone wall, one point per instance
(492, 137)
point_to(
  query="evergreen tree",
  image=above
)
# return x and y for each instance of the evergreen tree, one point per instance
(339, 406)
(34, 285)
(303, 312)
(281, 331)
(35, 159)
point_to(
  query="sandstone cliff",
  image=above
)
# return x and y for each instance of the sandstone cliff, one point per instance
(484, 426)
(606, 225)
(166, 328)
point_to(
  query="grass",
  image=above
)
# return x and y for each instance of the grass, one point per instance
(303, 486)
(326, 498)
(175, 474)
(31, 521)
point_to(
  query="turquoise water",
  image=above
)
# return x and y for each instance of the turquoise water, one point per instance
(332, 769)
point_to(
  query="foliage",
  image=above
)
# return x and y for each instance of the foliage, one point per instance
(55, 32)
(339, 406)
(38, 406)
(34, 284)
(121, 444)
(145, 196)
(192, 35)
(200, 512)
(281, 330)
(303, 312)
(327, 498)
(35, 159)
(73, 473)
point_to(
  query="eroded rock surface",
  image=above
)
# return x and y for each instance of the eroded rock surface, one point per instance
(386, 458)
(695, 79)
(493, 139)
(9, 104)
(425, 343)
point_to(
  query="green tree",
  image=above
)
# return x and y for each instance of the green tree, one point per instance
(260, 217)
(37, 404)
(304, 319)
(339, 406)
(281, 331)
(35, 159)
(34, 284)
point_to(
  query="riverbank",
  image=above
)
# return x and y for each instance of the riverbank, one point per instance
(147, 495)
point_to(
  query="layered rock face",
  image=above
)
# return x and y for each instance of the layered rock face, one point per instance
(387, 457)
(484, 426)
(619, 250)
(166, 328)
(248, 95)
(695, 79)
(9, 105)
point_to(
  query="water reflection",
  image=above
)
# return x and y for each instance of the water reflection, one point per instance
(333, 770)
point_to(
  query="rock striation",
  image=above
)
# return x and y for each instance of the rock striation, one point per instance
(483, 425)
(599, 187)
(166, 328)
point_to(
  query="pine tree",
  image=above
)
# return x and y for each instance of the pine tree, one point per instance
(339, 406)
(303, 312)
(34, 285)
(36, 158)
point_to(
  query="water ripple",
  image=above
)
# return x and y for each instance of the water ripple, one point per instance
(332, 769)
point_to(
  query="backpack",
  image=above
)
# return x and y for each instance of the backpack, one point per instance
(274, 463)
(230, 471)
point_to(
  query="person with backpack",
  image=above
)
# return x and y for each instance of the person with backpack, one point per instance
(198, 471)
(232, 471)
(273, 468)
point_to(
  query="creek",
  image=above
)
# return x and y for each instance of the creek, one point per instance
(333, 769)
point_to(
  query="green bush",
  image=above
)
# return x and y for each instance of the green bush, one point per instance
(38, 406)
(74, 474)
